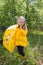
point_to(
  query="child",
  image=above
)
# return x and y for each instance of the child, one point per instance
(20, 35)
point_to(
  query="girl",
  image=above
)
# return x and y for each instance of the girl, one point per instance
(20, 35)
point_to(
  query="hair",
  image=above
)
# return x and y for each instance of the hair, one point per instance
(23, 18)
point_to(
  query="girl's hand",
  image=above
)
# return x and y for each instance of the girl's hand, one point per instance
(20, 27)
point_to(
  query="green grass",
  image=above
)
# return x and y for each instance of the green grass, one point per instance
(32, 51)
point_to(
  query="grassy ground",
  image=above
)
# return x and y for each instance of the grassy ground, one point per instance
(34, 52)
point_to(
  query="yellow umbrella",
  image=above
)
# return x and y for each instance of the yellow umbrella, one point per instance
(8, 40)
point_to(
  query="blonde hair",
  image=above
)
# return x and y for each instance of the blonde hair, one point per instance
(23, 18)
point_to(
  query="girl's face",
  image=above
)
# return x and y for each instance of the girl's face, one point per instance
(21, 22)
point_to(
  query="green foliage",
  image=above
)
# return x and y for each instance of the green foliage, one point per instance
(32, 10)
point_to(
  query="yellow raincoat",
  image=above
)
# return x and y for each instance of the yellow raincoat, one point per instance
(13, 37)
(20, 37)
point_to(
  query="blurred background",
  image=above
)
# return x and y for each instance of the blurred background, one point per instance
(32, 10)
